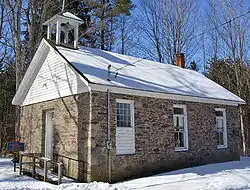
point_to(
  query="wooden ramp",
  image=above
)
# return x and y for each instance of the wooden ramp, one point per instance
(42, 168)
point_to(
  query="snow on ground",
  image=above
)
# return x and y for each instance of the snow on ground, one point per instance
(222, 176)
(10, 180)
(92, 186)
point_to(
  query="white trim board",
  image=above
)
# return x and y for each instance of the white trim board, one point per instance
(135, 92)
(184, 107)
(125, 136)
(32, 71)
(224, 117)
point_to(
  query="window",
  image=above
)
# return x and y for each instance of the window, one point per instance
(123, 113)
(221, 127)
(180, 127)
(125, 132)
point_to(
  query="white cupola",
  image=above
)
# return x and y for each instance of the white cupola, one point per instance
(63, 22)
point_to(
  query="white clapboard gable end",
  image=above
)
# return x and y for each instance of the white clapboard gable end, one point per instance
(52, 77)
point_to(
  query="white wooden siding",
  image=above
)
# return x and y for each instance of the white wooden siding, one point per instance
(54, 80)
(125, 140)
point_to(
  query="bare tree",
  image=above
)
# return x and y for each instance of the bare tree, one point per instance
(169, 27)
(25, 39)
(181, 28)
(150, 30)
(125, 34)
(4, 34)
(15, 8)
(6, 80)
(37, 12)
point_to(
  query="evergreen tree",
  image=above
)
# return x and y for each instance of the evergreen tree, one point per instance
(226, 73)
(194, 66)
(100, 17)
(7, 111)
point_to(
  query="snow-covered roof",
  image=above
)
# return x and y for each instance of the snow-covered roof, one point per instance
(70, 15)
(64, 17)
(135, 73)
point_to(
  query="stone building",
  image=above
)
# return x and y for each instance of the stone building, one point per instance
(110, 117)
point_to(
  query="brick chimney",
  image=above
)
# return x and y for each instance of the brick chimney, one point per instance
(180, 61)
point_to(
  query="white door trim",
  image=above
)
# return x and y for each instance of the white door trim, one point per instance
(48, 134)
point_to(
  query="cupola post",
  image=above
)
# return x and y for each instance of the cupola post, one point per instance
(58, 32)
(49, 32)
(76, 37)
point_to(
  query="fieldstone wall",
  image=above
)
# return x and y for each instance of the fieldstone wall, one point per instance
(154, 137)
(70, 124)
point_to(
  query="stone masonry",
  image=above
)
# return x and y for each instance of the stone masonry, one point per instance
(70, 124)
(154, 135)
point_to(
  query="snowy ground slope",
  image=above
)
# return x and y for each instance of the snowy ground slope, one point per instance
(11, 180)
(222, 176)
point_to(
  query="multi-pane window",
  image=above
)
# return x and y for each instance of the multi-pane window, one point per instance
(180, 127)
(125, 129)
(221, 127)
(123, 114)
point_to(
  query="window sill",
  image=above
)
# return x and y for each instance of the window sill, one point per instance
(221, 147)
(129, 154)
(181, 149)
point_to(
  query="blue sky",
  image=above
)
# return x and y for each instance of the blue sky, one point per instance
(203, 4)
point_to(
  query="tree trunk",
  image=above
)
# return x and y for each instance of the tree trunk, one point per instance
(242, 131)
(19, 65)
(16, 24)
(103, 27)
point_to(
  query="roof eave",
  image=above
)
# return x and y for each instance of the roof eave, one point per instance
(28, 77)
(80, 21)
(163, 95)
(46, 23)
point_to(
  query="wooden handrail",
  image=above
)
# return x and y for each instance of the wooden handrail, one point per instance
(67, 163)
(58, 155)
(45, 160)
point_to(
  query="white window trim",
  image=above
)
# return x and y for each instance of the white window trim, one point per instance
(224, 127)
(131, 102)
(185, 148)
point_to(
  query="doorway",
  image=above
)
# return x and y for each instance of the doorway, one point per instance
(49, 134)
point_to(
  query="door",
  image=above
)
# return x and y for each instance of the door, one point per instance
(49, 135)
